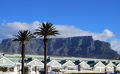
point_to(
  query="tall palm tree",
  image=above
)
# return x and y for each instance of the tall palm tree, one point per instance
(22, 37)
(46, 30)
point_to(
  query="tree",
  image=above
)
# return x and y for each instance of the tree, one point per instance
(46, 30)
(22, 37)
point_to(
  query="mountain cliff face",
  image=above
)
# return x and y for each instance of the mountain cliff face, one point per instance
(83, 46)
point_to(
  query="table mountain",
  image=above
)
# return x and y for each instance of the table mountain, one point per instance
(82, 46)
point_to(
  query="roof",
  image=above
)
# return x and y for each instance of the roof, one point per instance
(83, 64)
(118, 65)
(35, 62)
(6, 62)
(15, 60)
(62, 60)
(54, 64)
(68, 63)
(110, 64)
(99, 64)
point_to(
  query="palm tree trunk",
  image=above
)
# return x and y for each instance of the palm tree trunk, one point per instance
(45, 54)
(23, 56)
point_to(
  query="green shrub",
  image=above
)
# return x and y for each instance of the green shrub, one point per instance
(118, 72)
(4, 69)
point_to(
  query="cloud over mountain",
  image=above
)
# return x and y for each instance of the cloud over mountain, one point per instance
(70, 31)
(9, 29)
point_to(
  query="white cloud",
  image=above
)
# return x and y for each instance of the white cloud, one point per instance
(9, 29)
(115, 44)
(107, 34)
(70, 31)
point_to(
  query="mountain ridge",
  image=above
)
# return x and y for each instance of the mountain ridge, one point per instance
(80, 46)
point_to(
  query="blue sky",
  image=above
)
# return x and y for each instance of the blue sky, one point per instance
(88, 15)
(85, 14)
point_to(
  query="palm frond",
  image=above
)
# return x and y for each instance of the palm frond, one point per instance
(46, 29)
(23, 36)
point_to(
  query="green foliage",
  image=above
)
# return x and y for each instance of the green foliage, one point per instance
(4, 69)
(118, 72)
(23, 36)
(46, 30)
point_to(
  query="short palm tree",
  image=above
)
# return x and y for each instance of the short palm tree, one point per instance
(46, 30)
(22, 37)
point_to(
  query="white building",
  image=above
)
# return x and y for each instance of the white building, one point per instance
(99, 67)
(110, 67)
(118, 67)
(53, 65)
(69, 65)
(34, 66)
(84, 65)
(13, 67)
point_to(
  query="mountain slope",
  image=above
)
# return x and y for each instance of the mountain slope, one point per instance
(83, 46)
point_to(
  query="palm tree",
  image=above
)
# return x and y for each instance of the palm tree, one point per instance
(46, 30)
(22, 37)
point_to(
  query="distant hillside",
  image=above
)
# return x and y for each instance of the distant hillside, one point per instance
(83, 46)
